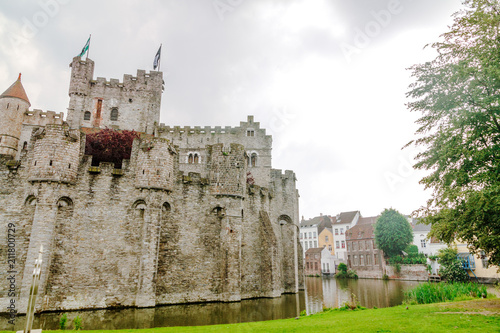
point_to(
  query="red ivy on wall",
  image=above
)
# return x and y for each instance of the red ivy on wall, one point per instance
(109, 145)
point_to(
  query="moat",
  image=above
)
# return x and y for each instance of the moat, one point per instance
(319, 293)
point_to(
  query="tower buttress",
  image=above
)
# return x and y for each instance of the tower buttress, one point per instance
(13, 104)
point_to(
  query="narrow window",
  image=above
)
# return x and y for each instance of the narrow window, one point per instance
(8, 105)
(196, 158)
(250, 132)
(25, 145)
(253, 159)
(190, 158)
(35, 163)
(114, 114)
(69, 166)
(50, 162)
(86, 115)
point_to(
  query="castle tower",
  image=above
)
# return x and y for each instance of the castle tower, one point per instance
(133, 104)
(227, 169)
(55, 155)
(82, 72)
(13, 104)
(155, 164)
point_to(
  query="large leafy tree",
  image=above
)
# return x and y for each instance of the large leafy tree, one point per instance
(392, 232)
(458, 94)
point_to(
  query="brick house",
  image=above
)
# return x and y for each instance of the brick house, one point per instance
(362, 252)
(312, 264)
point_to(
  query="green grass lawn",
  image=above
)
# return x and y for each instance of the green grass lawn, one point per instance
(480, 315)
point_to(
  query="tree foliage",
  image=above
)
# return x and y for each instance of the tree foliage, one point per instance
(109, 145)
(458, 94)
(451, 267)
(392, 232)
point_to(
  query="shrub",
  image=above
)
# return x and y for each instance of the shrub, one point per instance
(342, 267)
(351, 274)
(78, 323)
(385, 277)
(451, 267)
(62, 321)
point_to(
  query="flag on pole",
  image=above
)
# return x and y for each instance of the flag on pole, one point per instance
(156, 62)
(85, 48)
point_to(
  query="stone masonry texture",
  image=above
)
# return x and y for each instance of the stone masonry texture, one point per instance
(197, 214)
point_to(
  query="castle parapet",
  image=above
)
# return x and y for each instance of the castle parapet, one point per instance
(41, 118)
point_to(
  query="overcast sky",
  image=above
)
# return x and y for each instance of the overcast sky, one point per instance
(326, 78)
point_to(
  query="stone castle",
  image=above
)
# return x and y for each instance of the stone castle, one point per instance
(197, 214)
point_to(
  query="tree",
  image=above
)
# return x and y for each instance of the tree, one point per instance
(110, 145)
(451, 267)
(392, 232)
(458, 94)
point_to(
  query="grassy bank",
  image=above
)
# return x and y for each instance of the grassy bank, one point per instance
(481, 315)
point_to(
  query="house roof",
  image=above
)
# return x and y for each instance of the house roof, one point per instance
(368, 220)
(16, 90)
(314, 250)
(363, 229)
(345, 217)
(417, 226)
(322, 222)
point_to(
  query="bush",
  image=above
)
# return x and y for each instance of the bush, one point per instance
(439, 292)
(62, 322)
(451, 267)
(343, 273)
(385, 277)
(78, 323)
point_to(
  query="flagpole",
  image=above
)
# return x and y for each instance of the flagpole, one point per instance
(88, 50)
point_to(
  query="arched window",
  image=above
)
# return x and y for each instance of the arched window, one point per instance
(196, 158)
(86, 115)
(190, 158)
(253, 159)
(25, 145)
(114, 114)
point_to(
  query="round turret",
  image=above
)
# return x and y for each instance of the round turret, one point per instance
(13, 104)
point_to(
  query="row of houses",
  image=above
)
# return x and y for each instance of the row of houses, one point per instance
(348, 237)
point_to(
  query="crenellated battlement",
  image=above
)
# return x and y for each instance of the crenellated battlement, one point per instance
(41, 118)
(279, 174)
(142, 81)
(196, 130)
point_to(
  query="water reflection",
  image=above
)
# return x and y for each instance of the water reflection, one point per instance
(173, 315)
(329, 293)
(320, 293)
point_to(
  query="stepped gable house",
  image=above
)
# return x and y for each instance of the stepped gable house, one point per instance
(179, 222)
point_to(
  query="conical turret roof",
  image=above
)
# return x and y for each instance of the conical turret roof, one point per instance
(16, 90)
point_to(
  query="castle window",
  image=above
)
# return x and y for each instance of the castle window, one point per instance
(25, 145)
(35, 163)
(8, 105)
(190, 158)
(250, 132)
(86, 115)
(196, 158)
(114, 114)
(253, 159)
(130, 100)
(50, 162)
(69, 166)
